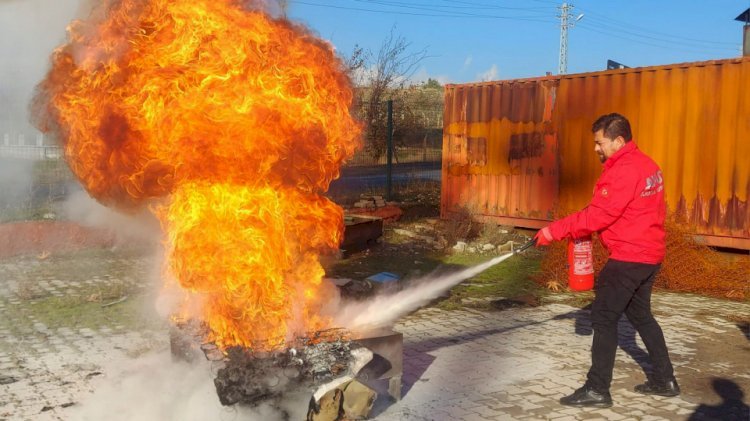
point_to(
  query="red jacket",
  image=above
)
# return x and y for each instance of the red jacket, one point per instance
(627, 210)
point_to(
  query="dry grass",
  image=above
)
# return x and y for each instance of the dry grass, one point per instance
(693, 267)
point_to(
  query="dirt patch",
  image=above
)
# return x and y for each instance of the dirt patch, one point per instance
(524, 300)
(420, 210)
(731, 351)
(389, 213)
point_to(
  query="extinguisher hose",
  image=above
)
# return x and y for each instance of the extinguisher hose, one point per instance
(526, 246)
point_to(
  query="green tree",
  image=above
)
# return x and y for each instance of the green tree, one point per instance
(432, 84)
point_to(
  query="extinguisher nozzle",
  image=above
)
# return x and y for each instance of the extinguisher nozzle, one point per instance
(529, 244)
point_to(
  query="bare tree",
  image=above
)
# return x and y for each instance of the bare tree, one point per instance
(356, 62)
(383, 77)
(394, 64)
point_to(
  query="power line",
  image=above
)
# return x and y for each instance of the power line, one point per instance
(548, 2)
(492, 6)
(431, 8)
(605, 27)
(623, 24)
(439, 14)
(454, 5)
(669, 47)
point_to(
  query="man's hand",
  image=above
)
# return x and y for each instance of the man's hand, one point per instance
(543, 237)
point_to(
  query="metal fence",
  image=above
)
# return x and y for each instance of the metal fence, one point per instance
(35, 153)
(401, 154)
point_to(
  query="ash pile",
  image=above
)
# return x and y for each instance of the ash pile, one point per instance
(343, 376)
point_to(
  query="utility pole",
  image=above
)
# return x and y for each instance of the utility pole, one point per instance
(565, 23)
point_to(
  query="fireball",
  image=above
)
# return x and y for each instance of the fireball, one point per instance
(228, 124)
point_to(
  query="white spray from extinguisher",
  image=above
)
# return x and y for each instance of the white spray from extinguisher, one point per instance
(385, 309)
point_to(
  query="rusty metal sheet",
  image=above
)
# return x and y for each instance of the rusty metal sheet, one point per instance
(529, 142)
(499, 153)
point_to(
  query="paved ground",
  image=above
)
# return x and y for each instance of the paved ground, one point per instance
(108, 359)
(517, 363)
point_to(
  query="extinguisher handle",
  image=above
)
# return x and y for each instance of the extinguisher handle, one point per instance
(529, 244)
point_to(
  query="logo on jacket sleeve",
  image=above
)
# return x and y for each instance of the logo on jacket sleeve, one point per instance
(604, 192)
(654, 184)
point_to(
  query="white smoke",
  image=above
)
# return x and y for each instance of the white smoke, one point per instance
(29, 31)
(155, 388)
(16, 181)
(142, 227)
(386, 309)
(275, 8)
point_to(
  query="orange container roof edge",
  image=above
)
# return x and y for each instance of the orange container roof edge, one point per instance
(602, 72)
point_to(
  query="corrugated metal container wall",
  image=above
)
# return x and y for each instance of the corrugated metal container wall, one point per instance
(499, 151)
(693, 119)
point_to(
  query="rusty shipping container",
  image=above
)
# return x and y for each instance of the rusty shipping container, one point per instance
(519, 151)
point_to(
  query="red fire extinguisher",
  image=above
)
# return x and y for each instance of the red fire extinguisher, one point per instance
(580, 264)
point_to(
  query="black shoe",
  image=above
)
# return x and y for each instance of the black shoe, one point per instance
(586, 396)
(668, 388)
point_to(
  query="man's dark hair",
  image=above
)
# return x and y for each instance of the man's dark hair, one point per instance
(613, 125)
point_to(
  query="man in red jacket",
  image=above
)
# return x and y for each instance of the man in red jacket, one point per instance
(627, 211)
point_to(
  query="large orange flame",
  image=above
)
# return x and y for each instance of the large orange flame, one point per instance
(239, 122)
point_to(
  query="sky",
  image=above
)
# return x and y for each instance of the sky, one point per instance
(464, 40)
(473, 40)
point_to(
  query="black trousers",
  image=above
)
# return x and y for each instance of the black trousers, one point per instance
(625, 287)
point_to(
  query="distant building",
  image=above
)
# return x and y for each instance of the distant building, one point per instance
(612, 65)
(745, 17)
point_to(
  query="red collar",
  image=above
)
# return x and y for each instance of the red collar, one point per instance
(629, 147)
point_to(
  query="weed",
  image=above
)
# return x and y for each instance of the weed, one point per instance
(493, 233)
(461, 227)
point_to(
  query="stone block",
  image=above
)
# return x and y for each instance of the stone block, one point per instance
(358, 400)
(329, 408)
